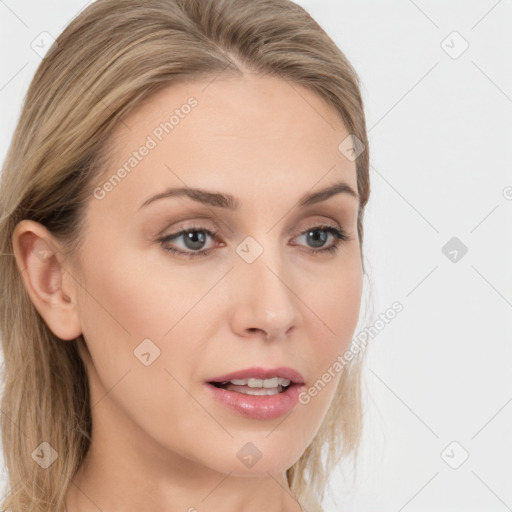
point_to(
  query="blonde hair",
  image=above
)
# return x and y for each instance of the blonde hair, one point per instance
(113, 56)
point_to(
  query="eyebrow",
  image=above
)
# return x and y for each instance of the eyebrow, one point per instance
(231, 203)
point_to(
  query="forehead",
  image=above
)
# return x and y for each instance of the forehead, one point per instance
(252, 137)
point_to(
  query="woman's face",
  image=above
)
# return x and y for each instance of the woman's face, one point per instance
(249, 290)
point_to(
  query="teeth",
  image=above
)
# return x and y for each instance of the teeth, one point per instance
(261, 383)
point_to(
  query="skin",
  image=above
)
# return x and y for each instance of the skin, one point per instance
(160, 441)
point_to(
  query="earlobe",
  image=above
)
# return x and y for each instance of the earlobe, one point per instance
(37, 256)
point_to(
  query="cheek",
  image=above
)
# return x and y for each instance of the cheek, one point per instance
(334, 303)
(129, 301)
(335, 300)
(126, 301)
(134, 298)
(121, 308)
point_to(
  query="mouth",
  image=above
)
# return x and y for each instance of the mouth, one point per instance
(259, 381)
(257, 392)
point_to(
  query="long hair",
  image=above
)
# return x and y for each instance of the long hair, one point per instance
(110, 58)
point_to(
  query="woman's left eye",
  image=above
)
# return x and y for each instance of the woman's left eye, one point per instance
(196, 236)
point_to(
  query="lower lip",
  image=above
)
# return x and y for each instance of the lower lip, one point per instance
(260, 407)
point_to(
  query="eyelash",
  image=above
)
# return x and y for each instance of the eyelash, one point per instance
(338, 233)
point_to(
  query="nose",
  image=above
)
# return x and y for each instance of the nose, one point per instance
(265, 303)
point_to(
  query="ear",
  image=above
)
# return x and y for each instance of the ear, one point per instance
(52, 289)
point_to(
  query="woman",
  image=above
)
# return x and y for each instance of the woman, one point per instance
(183, 202)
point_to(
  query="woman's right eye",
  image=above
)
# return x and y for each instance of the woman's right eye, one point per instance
(192, 237)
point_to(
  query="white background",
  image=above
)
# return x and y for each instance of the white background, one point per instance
(440, 143)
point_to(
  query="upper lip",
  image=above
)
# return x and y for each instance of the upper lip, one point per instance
(262, 373)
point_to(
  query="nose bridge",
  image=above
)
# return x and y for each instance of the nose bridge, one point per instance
(265, 298)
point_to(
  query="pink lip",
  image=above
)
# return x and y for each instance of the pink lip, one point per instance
(259, 406)
(262, 373)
